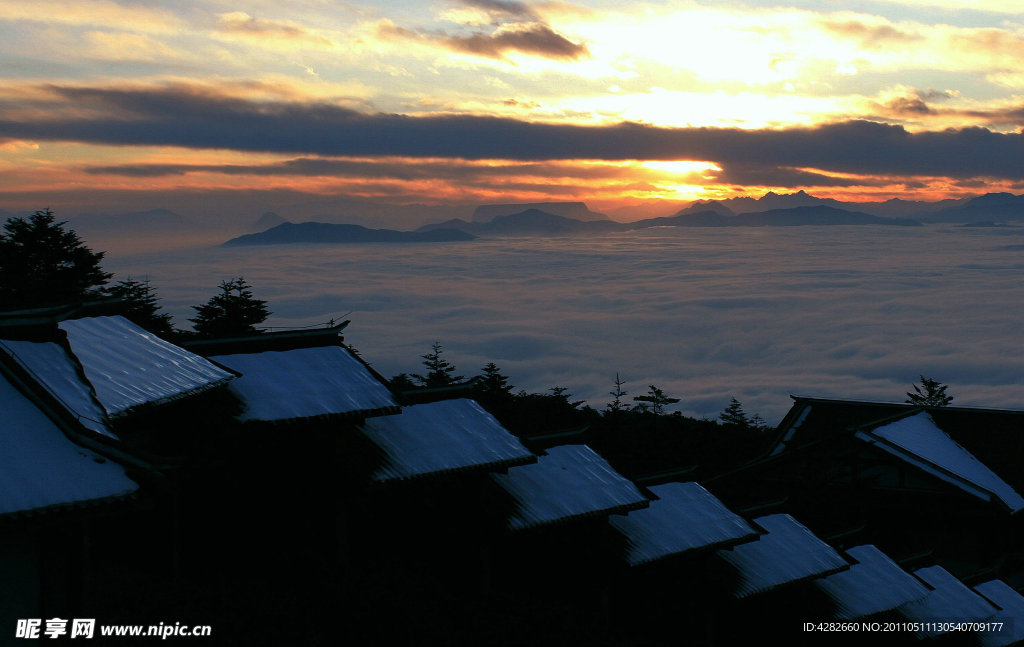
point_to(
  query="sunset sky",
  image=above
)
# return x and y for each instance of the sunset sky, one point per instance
(440, 101)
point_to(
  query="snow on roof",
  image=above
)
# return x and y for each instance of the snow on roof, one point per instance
(130, 367)
(568, 482)
(684, 517)
(40, 468)
(920, 441)
(51, 366)
(789, 552)
(950, 601)
(305, 383)
(443, 436)
(873, 585)
(1011, 614)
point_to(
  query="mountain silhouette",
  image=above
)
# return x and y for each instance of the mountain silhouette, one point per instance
(574, 210)
(323, 232)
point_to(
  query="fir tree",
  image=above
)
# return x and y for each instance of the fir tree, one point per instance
(41, 263)
(758, 423)
(931, 393)
(439, 370)
(139, 305)
(493, 382)
(734, 414)
(232, 312)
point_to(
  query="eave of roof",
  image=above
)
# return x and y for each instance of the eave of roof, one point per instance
(1008, 499)
(268, 341)
(442, 438)
(567, 469)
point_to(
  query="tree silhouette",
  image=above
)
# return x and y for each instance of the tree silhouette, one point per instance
(401, 382)
(734, 414)
(561, 395)
(655, 399)
(41, 263)
(494, 382)
(232, 312)
(439, 370)
(139, 305)
(616, 406)
(931, 393)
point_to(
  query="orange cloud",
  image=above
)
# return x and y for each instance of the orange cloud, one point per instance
(239, 23)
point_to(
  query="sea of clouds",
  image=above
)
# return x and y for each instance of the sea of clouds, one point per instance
(705, 314)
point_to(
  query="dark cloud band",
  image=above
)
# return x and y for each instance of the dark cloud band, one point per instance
(183, 116)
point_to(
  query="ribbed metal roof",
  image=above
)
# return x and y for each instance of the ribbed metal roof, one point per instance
(919, 437)
(950, 601)
(51, 366)
(684, 517)
(1011, 614)
(873, 585)
(305, 383)
(41, 469)
(129, 367)
(568, 482)
(445, 436)
(789, 552)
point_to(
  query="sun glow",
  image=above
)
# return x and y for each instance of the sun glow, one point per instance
(681, 167)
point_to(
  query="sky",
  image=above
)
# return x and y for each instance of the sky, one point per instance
(469, 101)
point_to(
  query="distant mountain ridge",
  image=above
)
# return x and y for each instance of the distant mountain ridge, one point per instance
(988, 207)
(530, 222)
(533, 222)
(574, 210)
(267, 220)
(325, 232)
(892, 208)
(820, 215)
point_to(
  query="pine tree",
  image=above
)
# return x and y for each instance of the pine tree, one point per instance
(439, 370)
(494, 382)
(734, 414)
(139, 305)
(233, 312)
(758, 423)
(931, 393)
(655, 399)
(616, 406)
(41, 263)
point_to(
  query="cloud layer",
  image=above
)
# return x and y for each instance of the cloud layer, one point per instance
(706, 315)
(197, 117)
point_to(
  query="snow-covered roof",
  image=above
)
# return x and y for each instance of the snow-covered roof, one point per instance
(305, 383)
(129, 367)
(445, 436)
(950, 601)
(571, 481)
(789, 552)
(873, 585)
(919, 441)
(56, 371)
(1011, 614)
(684, 517)
(41, 469)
